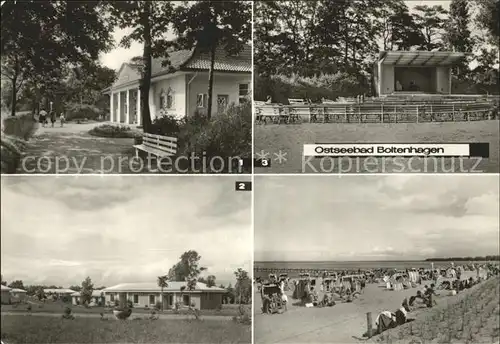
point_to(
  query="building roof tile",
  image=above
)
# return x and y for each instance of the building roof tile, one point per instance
(153, 287)
(194, 60)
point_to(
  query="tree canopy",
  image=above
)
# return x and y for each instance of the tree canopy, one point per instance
(187, 268)
(41, 38)
(309, 38)
(208, 25)
(86, 291)
(16, 284)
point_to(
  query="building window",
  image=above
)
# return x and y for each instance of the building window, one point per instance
(185, 300)
(161, 101)
(166, 99)
(222, 100)
(152, 300)
(202, 100)
(244, 91)
(136, 298)
(112, 297)
(170, 101)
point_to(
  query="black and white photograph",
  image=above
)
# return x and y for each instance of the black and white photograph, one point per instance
(125, 259)
(375, 71)
(126, 87)
(376, 259)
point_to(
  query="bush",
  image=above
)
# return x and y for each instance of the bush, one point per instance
(226, 135)
(328, 86)
(158, 306)
(78, 112)
(22, 126)
(244, 316)
(167, 125)
(115, 131)
(10, 153)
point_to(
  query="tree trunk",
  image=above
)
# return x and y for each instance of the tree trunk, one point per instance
(162, 298)
(14, 95)
(211, 80)
(146, 73)
(14, 88)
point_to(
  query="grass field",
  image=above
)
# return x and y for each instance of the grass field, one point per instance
(290, 139)
(59, 307)
(37, 329)
(470, 317)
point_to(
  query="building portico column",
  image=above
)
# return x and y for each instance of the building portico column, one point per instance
(152, 106)
(112, 107)
(450, 73)
(380, 79)
(119, 112)
(127, 114)
(139, 119)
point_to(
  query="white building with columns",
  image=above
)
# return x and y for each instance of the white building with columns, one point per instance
(181, 88)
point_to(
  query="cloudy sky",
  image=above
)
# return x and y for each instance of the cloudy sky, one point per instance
(375, 217)
(58, 230)
(412, 3)
(117, 56)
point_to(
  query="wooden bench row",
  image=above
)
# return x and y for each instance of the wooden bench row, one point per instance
(352, 113)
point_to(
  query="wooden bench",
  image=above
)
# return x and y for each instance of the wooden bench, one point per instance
(158, 145)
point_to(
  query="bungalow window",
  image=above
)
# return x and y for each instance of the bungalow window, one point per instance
(112, 297)
(136, 298)
(202, 100)
(152, 300)
(244, 91)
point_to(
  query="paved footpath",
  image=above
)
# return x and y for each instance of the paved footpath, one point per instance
(71, 149)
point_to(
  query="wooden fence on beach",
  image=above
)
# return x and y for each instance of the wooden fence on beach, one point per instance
(376, 112)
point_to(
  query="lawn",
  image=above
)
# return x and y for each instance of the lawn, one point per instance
(59, 307)
(289, 139)
(40, 329)
(470, 317)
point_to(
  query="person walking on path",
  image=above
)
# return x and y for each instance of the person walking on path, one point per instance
(42, 117)
(53, 118)
(61, 118)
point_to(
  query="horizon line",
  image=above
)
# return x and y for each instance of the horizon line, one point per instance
(368, 260)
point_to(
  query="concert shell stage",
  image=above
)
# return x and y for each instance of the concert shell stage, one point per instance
(414, 72)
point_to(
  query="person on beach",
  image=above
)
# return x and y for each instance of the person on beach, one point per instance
(53, 118)
(314, 297)
(266, 300)
(284, 299)
(430, 293)
(418, 296)
(42, 117)
(402, 313)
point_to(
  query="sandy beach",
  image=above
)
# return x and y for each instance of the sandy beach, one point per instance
(342, 323)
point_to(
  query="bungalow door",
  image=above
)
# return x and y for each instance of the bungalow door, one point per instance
(222, 100)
